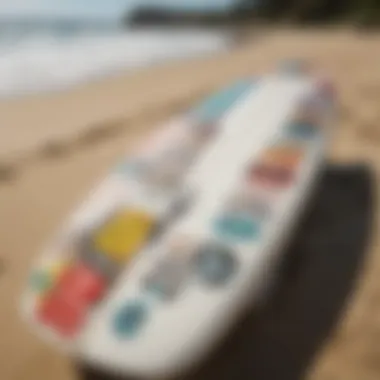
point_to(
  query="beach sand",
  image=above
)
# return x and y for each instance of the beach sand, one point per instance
(53, 149)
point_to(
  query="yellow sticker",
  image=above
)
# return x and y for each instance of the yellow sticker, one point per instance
(124, 234)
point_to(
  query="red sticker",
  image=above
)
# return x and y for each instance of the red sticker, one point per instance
(80, 281)
(272, 177)
(66, 306)
(64, 317)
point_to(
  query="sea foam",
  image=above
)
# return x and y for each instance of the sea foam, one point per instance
(44, 63)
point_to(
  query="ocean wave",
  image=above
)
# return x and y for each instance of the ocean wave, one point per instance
(44, 63)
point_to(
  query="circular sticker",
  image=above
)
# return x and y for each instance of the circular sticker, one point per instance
(129, 319)
(168, 277)
(215, 264)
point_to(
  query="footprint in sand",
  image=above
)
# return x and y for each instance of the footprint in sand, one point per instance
(7, 172)
(53, 149)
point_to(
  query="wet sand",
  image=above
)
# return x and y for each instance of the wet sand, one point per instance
(54, 149)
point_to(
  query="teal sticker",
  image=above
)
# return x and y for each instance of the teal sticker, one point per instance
(129, 319)
(237, 227)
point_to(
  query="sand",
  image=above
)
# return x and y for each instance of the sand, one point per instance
(53, 149)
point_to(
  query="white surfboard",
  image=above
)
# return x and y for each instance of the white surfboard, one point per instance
(154, 268)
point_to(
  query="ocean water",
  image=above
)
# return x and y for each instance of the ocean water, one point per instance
(37, 58)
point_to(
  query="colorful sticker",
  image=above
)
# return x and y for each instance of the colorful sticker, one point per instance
(238, 227)
(81, 283)
(271, 176)
(43, 279)
(215, 264)
(168, 278)
(283, 155)
(123, 234)
(65, 316)
(64, 308)
(129, 319)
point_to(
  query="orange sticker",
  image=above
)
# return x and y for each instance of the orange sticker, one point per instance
(283, 155)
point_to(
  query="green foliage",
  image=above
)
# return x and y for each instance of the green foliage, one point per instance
(364, 12)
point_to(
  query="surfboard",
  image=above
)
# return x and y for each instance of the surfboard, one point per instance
(168, 249)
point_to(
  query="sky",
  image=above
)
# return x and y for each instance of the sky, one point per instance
(109, 9)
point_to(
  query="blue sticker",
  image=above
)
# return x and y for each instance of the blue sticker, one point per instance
(238, 227)
(215, 264)
(130, 318)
